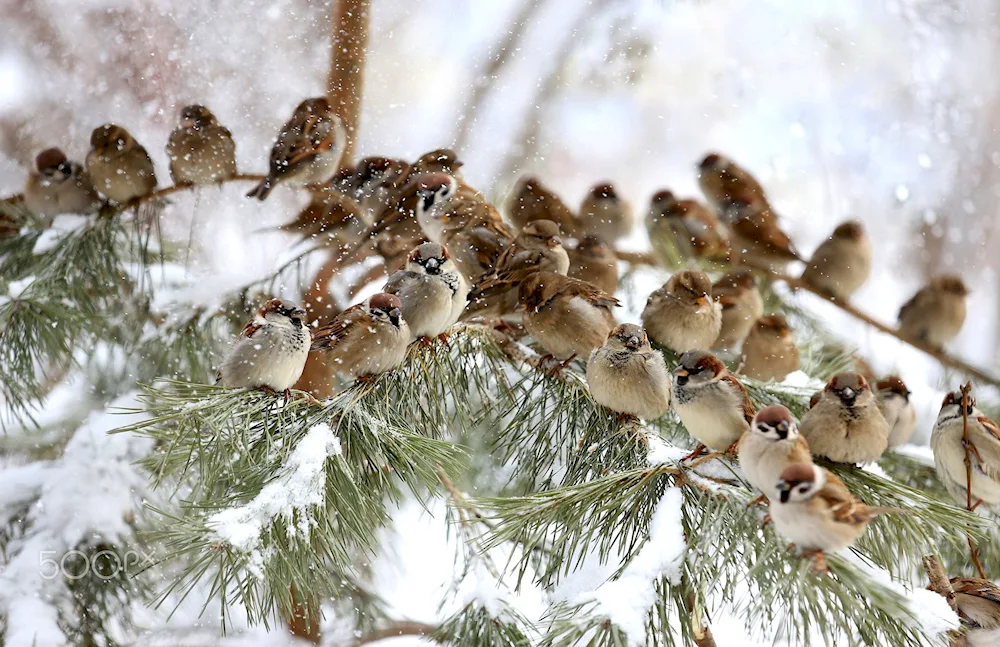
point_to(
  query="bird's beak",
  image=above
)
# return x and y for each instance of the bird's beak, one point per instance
(394, 316)
(555, 241)
(633, 343)
(784, 491)
(680, 371)
(299, 312)
(703, 302)
(432, 265)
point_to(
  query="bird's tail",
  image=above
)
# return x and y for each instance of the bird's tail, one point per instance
(262, 190)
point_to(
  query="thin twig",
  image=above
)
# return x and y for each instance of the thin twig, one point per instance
(965, 404)
(398, 628)
(941, 585)
(175, 188)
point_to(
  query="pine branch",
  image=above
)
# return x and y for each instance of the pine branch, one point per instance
(941, 585)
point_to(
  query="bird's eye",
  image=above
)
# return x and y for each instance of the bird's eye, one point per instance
(804, 488)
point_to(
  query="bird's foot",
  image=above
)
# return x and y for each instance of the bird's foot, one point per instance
(766, 520)
(969, 447)
(697, 452)
(732, 450)
(288, 395)
(268, 390)
(444, 339)
(704, 459)
(310, 398)
(367, 378)
(761, 499)
(556, 367)
(624, 418)
(819, 561)
(426, 342)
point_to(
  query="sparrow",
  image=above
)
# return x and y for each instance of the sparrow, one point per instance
(604, 213)
(531, 201)
(681, 314)
(899, 412)
(978, 603)
(842, 263)
(680, 229)
(772, 443)
(741, 304)
(397, 229)
(628, 376)
(814, 510)
(756, 238)
(846, 425)
(118, 166)
(769, 351)
(368, 338)
(57, 185)
(431, 290)
(984, 452)
(725, 184)
(370, 182)
(594, 261)
(935, 314)
(201, 150)
(712, 404)
(537, 248)
(271, 350)
(477, 242)
(330, 219)
(567, 317)
(308, 148)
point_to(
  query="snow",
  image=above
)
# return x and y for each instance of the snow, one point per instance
(62, 226)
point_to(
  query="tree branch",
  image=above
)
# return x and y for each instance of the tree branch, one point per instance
(941, 585)
(348, 46)
(398, 628)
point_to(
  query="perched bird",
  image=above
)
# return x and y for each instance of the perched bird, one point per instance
(431, 290)
(201, 150)
(950, 454)
(725, 184)
(772, 443)
(397, 229)
(899, 412)
(537, 248)
(756, 238)
(366, 339)
(308, 148)
(681, 314)
(594, 261)
(531, 201)
(479, 241)
(57, 185)
(935, 314)
(439, 160)
(769, 351)
(119, 167)
(604, 213)
(846, 425)
(712, 404)
(680, 229)
(978, 603)
(628, 376)
(741, 304)
(330, 218)
(842, 263)
(814, 510)
(567, 317)
(271, 351)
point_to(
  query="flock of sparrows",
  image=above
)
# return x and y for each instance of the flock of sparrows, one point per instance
(450, 255)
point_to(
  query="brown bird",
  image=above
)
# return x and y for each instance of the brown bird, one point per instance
(397, 228)
(978, 603)
(769, 351)
(842, 263)
(772, 443)
(742, 306)
(711, 402)
(846, 425)
(119, 167)
(594, 261)
(681, 314)
(982, 451)
(567, 317)
(56, 186)
(681, 229)
(479, 242)
(201, 151)
(308, 148)
(756, 238)
(604, 213)
(331, 219)
(935, 314)
(725, 185)
(899, 412)
(537, 248)
(531, 201)
(628, 376)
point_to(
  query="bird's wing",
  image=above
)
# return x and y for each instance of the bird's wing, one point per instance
(328, 336)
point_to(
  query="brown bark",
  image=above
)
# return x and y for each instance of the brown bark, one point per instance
(941, 585)
(304, 622)
(344, 84)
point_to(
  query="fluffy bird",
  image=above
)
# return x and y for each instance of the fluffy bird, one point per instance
(271, 350)
(119, 166)
(772, 443)
(397, 229)
(604, 213)
(308, 148)
(935, 314)
(842, 263)
(978, 603)
(594, 261)
(741, 304)
(846, 425)
(769, 351)
(899, 412)
(57, 185)
(725, 185)
(681, 314)
(431, 291)
(201, 150)
(756, 238)
(711, 402)
(814, 510)
(366, 339)
(531, 201)
(681, 229)
(537, 248)
(628, 376)
(947, 442)
(566, 316)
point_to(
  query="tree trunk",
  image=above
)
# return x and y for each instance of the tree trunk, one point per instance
(349, 42)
